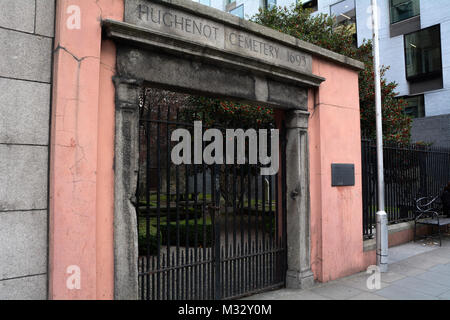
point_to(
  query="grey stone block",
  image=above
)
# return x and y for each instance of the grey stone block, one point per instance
(23, 177)
(25, 56)
(23, 243)
(24, 112)
(29, 288)
(45, 17)
(17, 15)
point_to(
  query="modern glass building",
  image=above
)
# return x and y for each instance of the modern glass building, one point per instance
(414, 42)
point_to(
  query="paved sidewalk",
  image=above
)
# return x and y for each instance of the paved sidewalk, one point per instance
(417, 271)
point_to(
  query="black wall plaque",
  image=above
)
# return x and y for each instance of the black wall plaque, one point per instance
(343, 175)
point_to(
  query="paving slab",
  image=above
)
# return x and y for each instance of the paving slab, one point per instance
(405, 269)
(445, 296)
(439, 257)
(360, 283)
(390, 277)
(443, 255)
(337, 291)
(368, 296)
(398, 293)
(420, 285)
(408, 250)
(435, 278)
(421, 272)
(304, 295)
(444, 269)
(421, 262)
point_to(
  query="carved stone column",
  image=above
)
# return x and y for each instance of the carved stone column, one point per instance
(299, 274)
(126, 164)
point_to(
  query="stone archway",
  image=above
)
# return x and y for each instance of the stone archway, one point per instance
(172, 45)
(87, 106)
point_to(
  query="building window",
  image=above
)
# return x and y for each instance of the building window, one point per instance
(416, 106)
(345, 14)
(404, 9)
(230, 1)
(311, 4)
(423, 54)
(269, 4)
(238, 11)
(205, 2)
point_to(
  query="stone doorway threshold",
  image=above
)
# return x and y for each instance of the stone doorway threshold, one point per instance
(417, 271)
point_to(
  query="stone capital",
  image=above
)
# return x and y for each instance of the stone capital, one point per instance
(297, 119)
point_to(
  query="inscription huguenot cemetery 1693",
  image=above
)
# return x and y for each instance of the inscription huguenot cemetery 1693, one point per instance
(208, 32)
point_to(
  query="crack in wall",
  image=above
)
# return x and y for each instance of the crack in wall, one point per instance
(80, 155)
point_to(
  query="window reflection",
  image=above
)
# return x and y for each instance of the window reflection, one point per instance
(416, 106)
(423, 53)
(404, 9)
(345, 14)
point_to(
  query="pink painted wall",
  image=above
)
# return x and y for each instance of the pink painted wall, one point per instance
(336, 213)
(82, 152)
(337, 248)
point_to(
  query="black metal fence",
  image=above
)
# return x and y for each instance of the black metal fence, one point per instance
(410, 171)
(205, 231)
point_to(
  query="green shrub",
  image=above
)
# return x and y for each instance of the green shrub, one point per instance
(142, 238)
(187, 231)
(184, 230)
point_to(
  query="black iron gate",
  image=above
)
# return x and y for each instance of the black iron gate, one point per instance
(205, 231)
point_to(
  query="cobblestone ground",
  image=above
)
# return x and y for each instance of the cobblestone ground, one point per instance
(417, 271)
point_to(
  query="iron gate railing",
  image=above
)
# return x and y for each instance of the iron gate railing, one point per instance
(205, 231)
(410, 171)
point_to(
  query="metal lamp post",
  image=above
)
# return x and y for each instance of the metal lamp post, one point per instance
(381, 216)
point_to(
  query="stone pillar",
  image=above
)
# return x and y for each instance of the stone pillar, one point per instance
(299, 274)
(126, 164)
